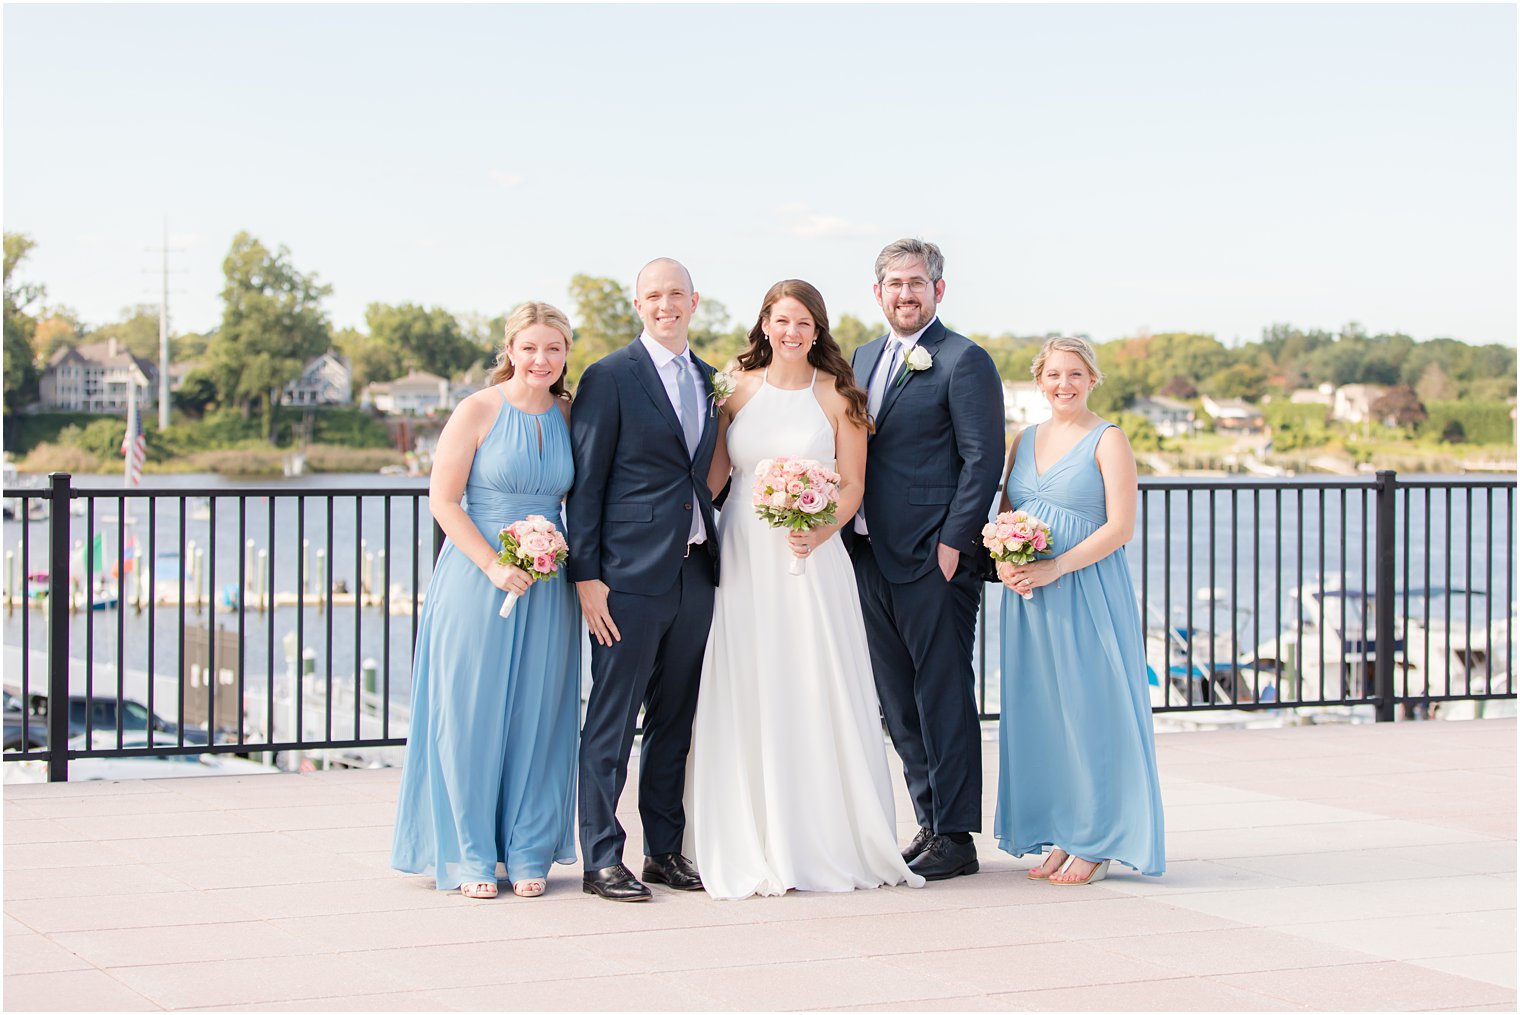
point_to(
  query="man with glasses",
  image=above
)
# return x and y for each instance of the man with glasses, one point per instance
(932, 471)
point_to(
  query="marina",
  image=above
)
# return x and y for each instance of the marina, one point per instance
(278, 621)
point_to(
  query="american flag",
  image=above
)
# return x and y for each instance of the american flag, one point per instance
(134, 446)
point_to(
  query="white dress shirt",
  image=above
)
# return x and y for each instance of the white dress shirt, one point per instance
(876, 392)
(669, 377)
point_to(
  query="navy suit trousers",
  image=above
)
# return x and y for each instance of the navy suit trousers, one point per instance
(657, 664)
(921, 634)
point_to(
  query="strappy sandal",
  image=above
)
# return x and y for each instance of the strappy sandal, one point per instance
(1034, 872)
(1098, 873)
(478, 889)
(529, 888)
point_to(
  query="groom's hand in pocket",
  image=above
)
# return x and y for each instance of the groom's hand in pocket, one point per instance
(949, 560)
(593, 595)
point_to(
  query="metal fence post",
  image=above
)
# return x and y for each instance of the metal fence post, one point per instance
(438, 538)
(58, 627)
(1385, 594)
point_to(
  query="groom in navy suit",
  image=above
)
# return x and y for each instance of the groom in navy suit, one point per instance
(643, 556)
(932, 469)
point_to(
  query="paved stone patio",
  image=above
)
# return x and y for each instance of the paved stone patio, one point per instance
(1326, 867)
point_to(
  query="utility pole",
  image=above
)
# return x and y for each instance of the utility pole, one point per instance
(163, 339)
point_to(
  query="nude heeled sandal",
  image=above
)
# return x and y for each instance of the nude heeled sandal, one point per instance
(1098, 873)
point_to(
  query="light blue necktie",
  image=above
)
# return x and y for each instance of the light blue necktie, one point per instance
(691, 420)
(887, 369)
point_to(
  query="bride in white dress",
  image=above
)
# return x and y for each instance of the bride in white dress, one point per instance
(788, 785)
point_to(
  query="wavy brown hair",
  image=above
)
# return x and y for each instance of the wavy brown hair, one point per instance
(825, 353)
(525, 315)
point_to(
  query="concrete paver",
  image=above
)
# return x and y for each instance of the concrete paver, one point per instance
(1327, 867)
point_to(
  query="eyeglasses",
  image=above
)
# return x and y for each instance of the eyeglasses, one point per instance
(916, 286)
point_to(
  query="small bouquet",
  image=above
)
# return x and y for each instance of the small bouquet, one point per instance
(534, 545)
(796, 494)
(1016, 537)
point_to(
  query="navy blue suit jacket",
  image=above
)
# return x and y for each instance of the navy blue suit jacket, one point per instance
(933, 464)
(628, 515)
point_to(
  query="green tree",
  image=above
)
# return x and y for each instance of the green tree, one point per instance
(137, 331)
(196, 394)
(419, 338)
(21, 373)
(1239, 381)
(1435, 385)
(851, 333)
(272, 324)
(59, 328)
(604, 321)
(371, 359)
(190, 345)
(713, 336)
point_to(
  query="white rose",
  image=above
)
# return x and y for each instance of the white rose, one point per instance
(919, 358)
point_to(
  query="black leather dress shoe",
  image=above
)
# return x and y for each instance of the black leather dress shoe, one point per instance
(672, 870)
(616, 883)
(945, 859)
(918, 845)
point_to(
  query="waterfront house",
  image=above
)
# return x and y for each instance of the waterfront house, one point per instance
(469, 382)
(1023, 403)
(1352, 403)
(419, 393)
(1322, 395)
(1169, 416)
(96, 377)
(1234, 414)
(325, 380)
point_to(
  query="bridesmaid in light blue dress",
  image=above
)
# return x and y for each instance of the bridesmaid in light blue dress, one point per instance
(1078, 758)
(490, 762)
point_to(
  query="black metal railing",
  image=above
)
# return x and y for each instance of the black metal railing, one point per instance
(1372, 594)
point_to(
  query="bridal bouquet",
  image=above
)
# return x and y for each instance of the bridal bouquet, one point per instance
(534, 545)
(1016, 537)
(796, 494)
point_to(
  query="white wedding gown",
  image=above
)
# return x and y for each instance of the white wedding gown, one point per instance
(787, 786)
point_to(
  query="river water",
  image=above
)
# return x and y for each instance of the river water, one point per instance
(1264, 543)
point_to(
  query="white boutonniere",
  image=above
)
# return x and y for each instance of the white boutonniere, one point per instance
(723, 385)
(722, 389)
(918, 359)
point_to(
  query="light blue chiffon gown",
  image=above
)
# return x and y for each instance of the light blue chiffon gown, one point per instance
(1078, 757)
(490, 760)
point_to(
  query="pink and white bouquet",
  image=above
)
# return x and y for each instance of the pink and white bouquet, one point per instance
(534, 545)
(1016, 537)
(796, 494)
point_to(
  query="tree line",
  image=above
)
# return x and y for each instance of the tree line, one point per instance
(273, 322)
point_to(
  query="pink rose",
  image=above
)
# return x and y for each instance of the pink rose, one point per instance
(778, 499)
(1004, 528)
(537, 543)
(810, 502)
(544, 563)
(994, 544)
(1021, 533)
(795, 486)
(541, 524)
(1040, 542)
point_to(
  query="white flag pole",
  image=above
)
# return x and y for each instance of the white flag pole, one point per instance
(127, 453)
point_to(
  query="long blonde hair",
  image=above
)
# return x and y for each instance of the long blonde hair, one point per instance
(525, 315)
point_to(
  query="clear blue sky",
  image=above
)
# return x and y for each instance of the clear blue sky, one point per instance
(1086, 169)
